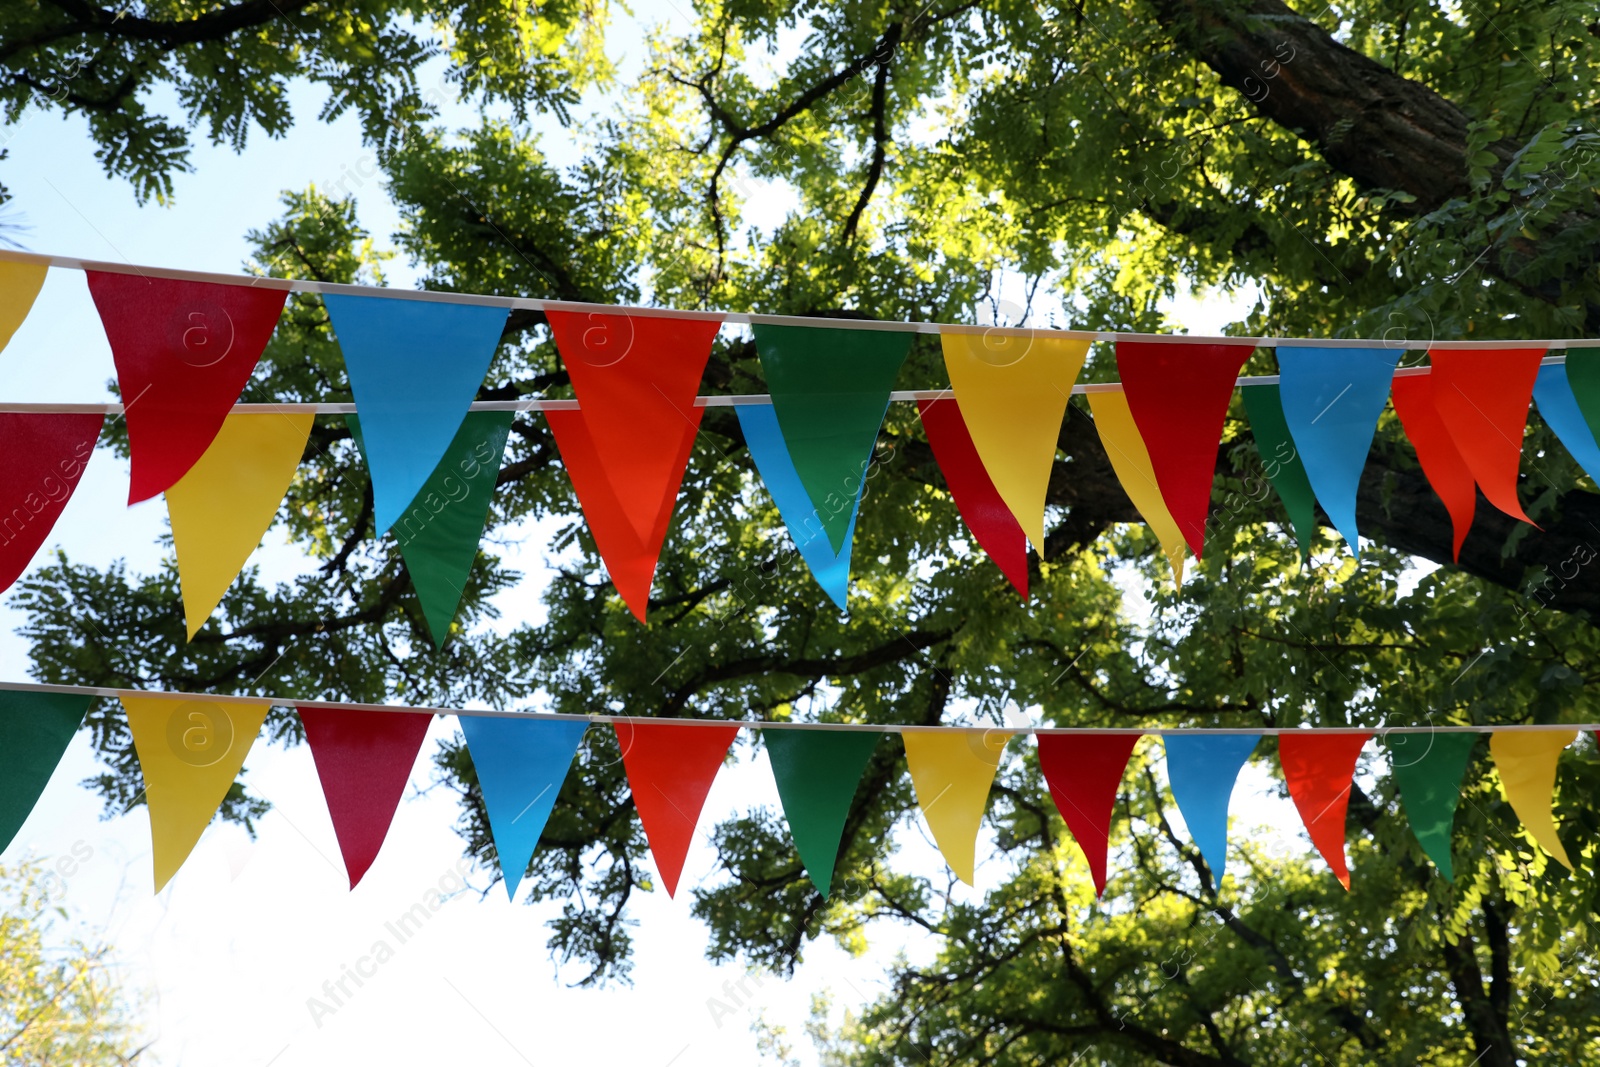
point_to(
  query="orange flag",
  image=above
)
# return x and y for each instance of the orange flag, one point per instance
(670, 770)
(1318, 768)
(1446, 471)
(1482, 395)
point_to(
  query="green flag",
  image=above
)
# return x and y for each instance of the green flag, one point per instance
(817, 773)
(1583, 374)
(439, 532)
(35, 729)
(830, 390)
(1428, 769)
(1282, 461)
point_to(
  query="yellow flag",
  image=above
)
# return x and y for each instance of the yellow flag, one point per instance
(1131, 460)
(1526, 760)
(223, 506)
(190, 752)
(1013, 391)
(951, 771)
(19, 284)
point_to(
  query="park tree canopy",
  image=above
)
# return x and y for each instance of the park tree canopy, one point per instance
(1373, 168)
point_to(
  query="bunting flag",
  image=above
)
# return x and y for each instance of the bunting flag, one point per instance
(764, 439)
(1084, 772)
(1582, 372)
(1482, 395)
(414, 368)
(364, 760)
(1179, 396)
(1202, 771)
(520, 764)
(19, 286)
(439, 532)
(1318, 768)
(184, 351)
(817, 773)
(35, 730)
(1332, 398)
(993, 525)
(225, 504)
(1558, 406)
(1013, 391)
(1441, 463)
(1113, 420)
(190, 752)
(830, 389)
(636, 377)
(1263, 406)
(45, 455)
(951, 772)
(1526, 760)
(670, 771)
(1428, 769)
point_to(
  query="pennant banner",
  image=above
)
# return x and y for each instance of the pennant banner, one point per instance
(670, 770)
(19, 287)
(1428, 769)
(1583, 377)
(1558, 406)
(993, 525)
(1084, 772)
(1318, 767)
(1113, 420)
(1436, 449)
(1482, 395)
(1527, 761)
(951, 772)
(35, 730)
(1202, 770)
(44, 457)
(1263, 406)
(817, 773)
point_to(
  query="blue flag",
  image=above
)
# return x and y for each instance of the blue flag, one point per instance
(1201, 769)
(414, 367)
(521, 764)
(1559, 409)
(765, 441)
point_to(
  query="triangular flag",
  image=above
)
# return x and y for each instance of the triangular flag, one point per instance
(629, 559)
(225, 504)
(1441, 464)
(1582, 369)
(1526, 760)
(951, 772)
(1179, 396)
(520, 764)
(1202, 770)
(636, 377)
(670, 770)
(1428, 769)
(992, 524)
(20, 283)
(414, 368)
(1113, 421)
(817, 772)
(1483, 396)
(190, 752)
(1084, 772)
(1318, 767)
(44, 456)
(1263, 406)
(35, 729)
(1558, 406)
(184, 351)
(438, 534)
(830, 388)
(364, 760)
(1013, 390)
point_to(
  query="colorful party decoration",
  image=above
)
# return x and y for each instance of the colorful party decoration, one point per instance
(1482, 395)
(364, 760)
(226, 502)
(830, 388)
(520, 764)
(1318, 768)
(1084, 771)
(20, 283)
(1437, 454)
(1119, 436)
(1428, 769)
(414, 368)
(1582, 367)
(817, 772)
(184, 351)
(35, 730)
(670, 770)
(1179, 396)
(44, 457)
(1526, 760)
(1263, 406)
(1558, 406)
(993, 525)
(1332, 398)
(1201, 771)
(190, 752)
(1013, 390)
(951, 772)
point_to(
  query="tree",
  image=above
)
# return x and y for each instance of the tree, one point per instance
(1376, 169)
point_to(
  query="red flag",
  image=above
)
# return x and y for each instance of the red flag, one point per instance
(44, 456)
(184, 351)
(1318, 768)
(1483, 396)
(1083, 772)
(670, 770)
(1445, 469)
(364, 759)
(987, 515)
(1179, 395)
